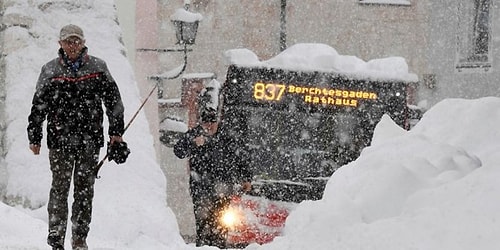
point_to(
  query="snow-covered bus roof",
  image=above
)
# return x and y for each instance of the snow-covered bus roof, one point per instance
(323, 58)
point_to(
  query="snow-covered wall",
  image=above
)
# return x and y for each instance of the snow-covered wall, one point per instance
(3, 171)
(29, 40)
(8, 43)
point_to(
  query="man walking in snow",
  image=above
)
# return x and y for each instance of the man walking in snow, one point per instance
(69, 94)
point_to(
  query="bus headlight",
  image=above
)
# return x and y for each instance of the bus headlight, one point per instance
(232, 217)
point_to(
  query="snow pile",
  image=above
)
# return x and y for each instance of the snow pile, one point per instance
(432, 188)
(185, 15)
(321, 57)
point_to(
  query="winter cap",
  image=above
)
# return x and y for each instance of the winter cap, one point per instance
(71, 30)
(208, 115)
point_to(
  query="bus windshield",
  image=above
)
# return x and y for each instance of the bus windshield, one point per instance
(299, 127)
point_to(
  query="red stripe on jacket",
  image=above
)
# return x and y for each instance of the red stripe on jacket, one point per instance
(76, 79)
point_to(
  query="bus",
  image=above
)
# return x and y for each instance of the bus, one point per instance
(298, 127)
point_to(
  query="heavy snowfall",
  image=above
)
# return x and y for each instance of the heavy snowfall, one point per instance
(434, 187)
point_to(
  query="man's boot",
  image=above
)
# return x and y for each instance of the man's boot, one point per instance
(79, 244)
(55, 240)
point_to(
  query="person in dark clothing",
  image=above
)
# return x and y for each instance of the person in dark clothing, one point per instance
(216, 168)
(70, 92)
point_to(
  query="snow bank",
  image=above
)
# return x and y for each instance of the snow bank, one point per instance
(434, 187)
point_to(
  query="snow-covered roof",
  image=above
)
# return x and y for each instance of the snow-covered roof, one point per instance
(322, 57)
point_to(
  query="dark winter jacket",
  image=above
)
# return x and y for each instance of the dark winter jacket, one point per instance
(217, 161)
(70, 98)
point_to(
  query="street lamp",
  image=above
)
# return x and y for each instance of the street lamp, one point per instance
(186, 26)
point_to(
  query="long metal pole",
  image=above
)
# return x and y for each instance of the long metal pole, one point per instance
(283, 25)
(99, 165)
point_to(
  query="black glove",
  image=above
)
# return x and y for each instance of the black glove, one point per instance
(118, 152)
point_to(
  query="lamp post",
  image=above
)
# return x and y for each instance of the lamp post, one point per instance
(186, 26)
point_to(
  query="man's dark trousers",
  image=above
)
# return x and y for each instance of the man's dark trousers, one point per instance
(81, 164)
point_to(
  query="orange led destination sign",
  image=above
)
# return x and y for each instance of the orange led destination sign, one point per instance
(312, 95)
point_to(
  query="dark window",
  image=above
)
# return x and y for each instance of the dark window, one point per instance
(474, 34)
